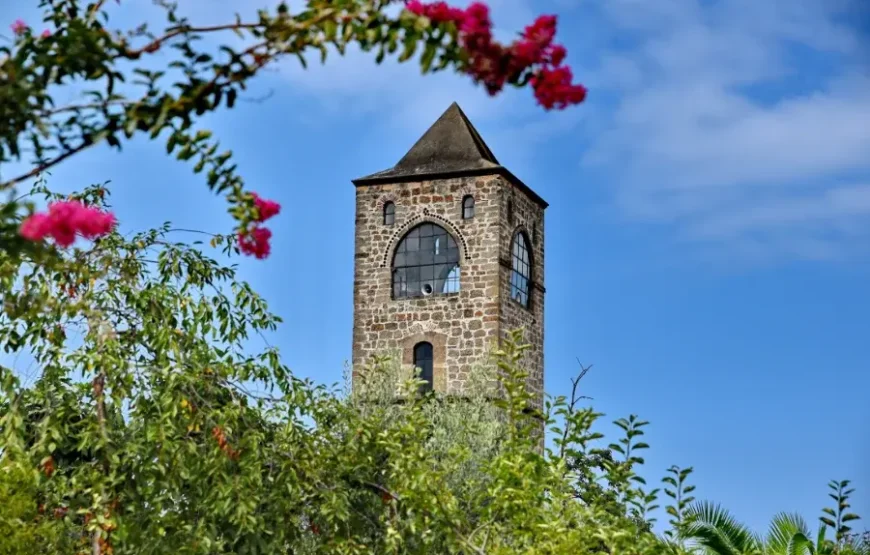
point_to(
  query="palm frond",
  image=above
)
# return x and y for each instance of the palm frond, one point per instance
(715, 530)
(783, 535)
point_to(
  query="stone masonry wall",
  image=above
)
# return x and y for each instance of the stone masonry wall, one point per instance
(520, 214)
(462, 326)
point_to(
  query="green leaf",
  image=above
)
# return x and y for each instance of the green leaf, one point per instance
(428, 56)
(330, 29)
(408, 52)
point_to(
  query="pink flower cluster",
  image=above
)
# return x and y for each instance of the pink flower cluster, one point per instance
(255, 240)
(66, 219)
(493, 64)
(19, 27)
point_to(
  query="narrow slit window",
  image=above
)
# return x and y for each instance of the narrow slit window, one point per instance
(423, 361)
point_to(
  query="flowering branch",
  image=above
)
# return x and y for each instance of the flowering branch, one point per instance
(443, 36)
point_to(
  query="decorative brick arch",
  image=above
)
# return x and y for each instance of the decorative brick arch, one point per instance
(384, 199)
(464, 191)
(419, 218)
(522, 228)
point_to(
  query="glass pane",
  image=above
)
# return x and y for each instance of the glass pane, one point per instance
(468, 207)
(521, 270)
(451, 283)
(399, 283)
(427, 245)
(412, 258)
(427, 273)
(422, 351)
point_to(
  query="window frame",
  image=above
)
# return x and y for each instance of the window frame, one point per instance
(430, 378)
(515, 269)
(414, 266)
(389, 211)
(468, 204)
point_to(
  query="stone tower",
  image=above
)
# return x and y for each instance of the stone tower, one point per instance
(449, 256)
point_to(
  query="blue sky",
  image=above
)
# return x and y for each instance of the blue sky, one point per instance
(707, 239)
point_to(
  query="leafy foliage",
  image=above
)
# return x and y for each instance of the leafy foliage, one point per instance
(836, 517)
(154, 427)
(680, 492)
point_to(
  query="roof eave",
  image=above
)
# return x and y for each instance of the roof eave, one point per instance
(376, 179)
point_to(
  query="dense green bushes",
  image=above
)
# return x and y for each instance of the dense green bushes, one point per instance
(152, 428)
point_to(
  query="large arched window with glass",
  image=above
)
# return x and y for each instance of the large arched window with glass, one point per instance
(423, 360)
(521, 269)
(426, 262)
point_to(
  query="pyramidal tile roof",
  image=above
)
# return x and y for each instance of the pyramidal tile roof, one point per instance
(451, 147)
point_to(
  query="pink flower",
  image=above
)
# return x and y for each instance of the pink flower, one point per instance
(65, 220)
(35, 228)
(557, 54)
(45, 34)
(439, 12)
(476, 27)
(553, 88)
(256, 242)
(542, 31)
(265, 208)
(493, 65)
(526, 52)
(415, 7)
(19, 27)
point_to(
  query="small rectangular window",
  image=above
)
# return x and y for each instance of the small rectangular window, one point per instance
(468, 207)
(389, 213)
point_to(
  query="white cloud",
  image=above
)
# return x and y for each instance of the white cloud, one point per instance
(739, 120)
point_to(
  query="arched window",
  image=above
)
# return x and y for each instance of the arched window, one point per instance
(467, 207)
(389, 213)
(423, 361)
(426, 262)
(521, 269)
